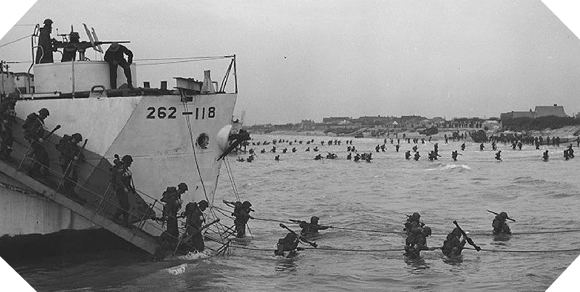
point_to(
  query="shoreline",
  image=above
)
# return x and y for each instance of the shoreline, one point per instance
(564, 132)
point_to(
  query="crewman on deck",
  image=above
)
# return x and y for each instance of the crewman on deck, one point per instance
(7, 119)
(123, 186)
(500, 225)
(453, 245)
(115, 56)
(69, 52)
(70, 155)
(172, 199)
(194, 226)
(35, 132)
(45, 44)
(311, 228)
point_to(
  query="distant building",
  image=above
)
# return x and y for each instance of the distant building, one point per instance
(336, 120)
(555, 110)
(540, 111)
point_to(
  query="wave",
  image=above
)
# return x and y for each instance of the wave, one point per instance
(457, 167)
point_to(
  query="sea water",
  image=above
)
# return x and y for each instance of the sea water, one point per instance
(368, 204)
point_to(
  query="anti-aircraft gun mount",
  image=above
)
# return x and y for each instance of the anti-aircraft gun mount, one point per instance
(70, 42)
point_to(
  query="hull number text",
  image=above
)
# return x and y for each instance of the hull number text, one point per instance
(170, 113)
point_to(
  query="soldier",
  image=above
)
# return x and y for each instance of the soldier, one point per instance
(123, 185)
(35, 133)
(45, 47)
(500, 225)
(115, 57)
(70, 155)
(7, 118)
(172, 199)
(194, 214)
(312, 227)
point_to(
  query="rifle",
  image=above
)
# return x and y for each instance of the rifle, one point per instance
(299, 237)
(72, 162)
(52, 132)
(469, 240)
(297, 221)
(498, 214)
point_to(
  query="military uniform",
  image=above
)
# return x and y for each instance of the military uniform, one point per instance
(35, 133)
(122, 184)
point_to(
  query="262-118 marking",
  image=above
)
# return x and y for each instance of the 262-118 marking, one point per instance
(169, 113)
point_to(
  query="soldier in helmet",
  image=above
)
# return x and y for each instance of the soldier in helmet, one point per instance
(416, 242)
(70, 155)
(115, 56)
(123, 185)
(45, 44)
(7, 119)
(172, 199)
(453, 245)
(35, 133)
(312, 227)
(500, 225)
(413, 222)
(69, 51)
(194, 226)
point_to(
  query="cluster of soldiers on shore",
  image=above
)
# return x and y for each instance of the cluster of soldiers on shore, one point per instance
(409, 154)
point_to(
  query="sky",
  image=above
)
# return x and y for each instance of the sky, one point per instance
(305, 59)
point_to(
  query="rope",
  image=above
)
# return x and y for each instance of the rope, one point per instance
(231, 177)
(8, 43)
(402, 250)
(527, 251)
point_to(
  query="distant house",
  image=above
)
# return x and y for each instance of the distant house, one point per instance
(555, 110)
(336, 120)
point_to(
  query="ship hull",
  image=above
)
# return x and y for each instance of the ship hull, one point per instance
(162, 134)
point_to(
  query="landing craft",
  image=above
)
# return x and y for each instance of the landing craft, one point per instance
(174, 135)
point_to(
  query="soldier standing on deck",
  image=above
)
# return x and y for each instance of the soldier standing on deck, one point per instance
(115, 57)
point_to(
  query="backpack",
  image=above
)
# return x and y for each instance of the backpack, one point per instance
(169, 195)
(29, 120)
(64, 141)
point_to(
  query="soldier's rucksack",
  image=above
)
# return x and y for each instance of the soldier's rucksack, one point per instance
(169, 195)
(29, 120)
(64, 141)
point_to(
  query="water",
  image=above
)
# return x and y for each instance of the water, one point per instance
(541, 196)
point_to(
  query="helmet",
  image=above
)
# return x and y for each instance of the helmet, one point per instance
(77, 137)
(415, 216)
(114, 47)
(203, 204)
(48, 21)
(127, 159)
(182, 186)
(44, 112)
(456, 232)
(503, 215)
(426, 231)
(314, 219)
(246, 204)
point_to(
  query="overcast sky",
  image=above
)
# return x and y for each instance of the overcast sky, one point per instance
(313, 59)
